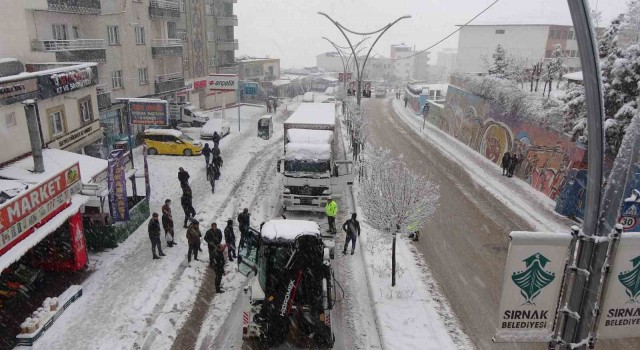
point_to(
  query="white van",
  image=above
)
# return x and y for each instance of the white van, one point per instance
(308, 97)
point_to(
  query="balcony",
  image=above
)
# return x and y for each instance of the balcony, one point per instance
(80, 50)
(227, 21)
(166, 48)
(87, 7)
(104, 97)
(227, 45)
(169, 82)
(163, 9)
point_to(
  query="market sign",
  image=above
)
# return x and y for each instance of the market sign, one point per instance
(71, 80)
(117, 184)
(21, 213)
(150, 112)
(222, 82)
(620, 317)
(89, 133)
(531, 286)
(18, 88)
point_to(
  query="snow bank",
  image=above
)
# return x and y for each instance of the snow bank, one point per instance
(310, 151)
(289, 229)
(309, 136)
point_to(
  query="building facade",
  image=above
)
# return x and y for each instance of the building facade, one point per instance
(530, 43)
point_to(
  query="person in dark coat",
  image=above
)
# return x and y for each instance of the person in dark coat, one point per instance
(268, 106)
(352, 228)
(183, 177)
(154, 236)
(406, 101)
(244, 220)
(187, 205)
(506, 161)
(167, 223)
(216, 139)
(514, 160)
(230, 240)
(212, 175)
(213, 237)
(275, 106)
(206, 152)
(218, 161)
(193, 237)
(219, 266)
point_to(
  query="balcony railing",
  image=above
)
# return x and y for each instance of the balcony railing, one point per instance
(169, 82)
(89, 7)
(164, 9)
(67, 45)
(166, 48)
(227, 45)
(166, 42)
(227, 21)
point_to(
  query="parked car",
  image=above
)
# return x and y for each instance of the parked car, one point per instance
(308, 97)
(381, 92)
(170, 141)
(330, 100)
(220, 125)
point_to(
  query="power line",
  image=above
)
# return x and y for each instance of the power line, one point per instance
(448, 36)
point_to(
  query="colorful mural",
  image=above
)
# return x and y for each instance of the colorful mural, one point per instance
(549, 161)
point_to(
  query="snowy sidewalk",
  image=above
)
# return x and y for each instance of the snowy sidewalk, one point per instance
(532, 205)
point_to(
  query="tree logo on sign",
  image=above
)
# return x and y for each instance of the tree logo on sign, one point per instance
(631, 281)
(533, 278)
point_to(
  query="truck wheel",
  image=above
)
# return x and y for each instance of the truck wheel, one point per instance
(152, 151)
(187, 152)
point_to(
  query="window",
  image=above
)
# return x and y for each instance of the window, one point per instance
(56, 121)
(570, 35)
(208, 9)
(86, 113)
(499, 31)
(171, 30)
(10, 120)
(59, 31)
(185, 63)
(139, 35)
(114, 35)
(181, 3)
(211, 36)
(76, 32)
(212, 62)
(182, 34)
(116, 79)
(143, 76)
(564, 35)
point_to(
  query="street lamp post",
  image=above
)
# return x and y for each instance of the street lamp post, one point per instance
(345, 64)
(360, 70)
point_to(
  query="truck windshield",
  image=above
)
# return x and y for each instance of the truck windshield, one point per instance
(307, 168)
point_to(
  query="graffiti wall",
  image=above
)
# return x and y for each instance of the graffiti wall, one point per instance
(548, 160)
(415, 99)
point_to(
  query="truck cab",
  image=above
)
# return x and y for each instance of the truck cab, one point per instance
(186, 114)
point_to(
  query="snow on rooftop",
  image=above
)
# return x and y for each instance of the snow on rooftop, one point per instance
(310, 136)
(314, 113)
(55, 160)
(289, 229)
(63, 68)
(11, 188)
(308, 151)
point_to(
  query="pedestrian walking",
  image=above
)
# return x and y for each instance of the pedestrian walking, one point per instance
(154, 236)
(512, 163)
(213, 237)
(219, 266)
(183, 177)
(218, 161)
(268, 106)
(212, 175)
(275, 106)
(167, 223)
(230, 240)
(206, 152)
(506, 162)
(406, 101)
(331, 210)
(187, 205)
(244, 220)
(193, 237)
(352, 228)
(216, 139)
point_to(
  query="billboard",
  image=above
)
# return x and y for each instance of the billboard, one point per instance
(531, 286)
(222, 82)
(620, 317)
(117, 184)
(251, 88)
(341, 76)
(149, 112)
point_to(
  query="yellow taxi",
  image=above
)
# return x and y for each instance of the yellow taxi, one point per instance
(169, 141)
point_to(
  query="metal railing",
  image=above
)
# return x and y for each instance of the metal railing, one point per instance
(227, 21)
(90, 7)
(166, 42)
(168, 77)
(226, 44)
(65, 45)
(165, 4)
(102, 88)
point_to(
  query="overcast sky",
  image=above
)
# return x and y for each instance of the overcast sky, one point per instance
(291, 29)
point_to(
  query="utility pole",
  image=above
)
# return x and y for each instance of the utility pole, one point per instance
(360, 70)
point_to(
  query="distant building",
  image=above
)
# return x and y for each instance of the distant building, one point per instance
(330, 62)
(258, 69)
(530, 42)
(409, 64)
(447, 59)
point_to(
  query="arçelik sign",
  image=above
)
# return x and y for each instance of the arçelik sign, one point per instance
(222, 82)
(26, 210)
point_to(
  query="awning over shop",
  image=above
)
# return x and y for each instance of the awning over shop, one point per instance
(20, 249)
(55, 160)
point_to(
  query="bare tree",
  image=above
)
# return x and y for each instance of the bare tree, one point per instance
(394, 197)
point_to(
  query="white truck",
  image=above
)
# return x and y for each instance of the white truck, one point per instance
(186, 113)
(310, 169)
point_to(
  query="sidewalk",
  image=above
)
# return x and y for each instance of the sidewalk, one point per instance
(528, 203)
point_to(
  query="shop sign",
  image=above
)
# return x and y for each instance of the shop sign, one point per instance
(195, 85)
(149, 112)
(72, 80)
(69, 139)
(531, 286)
(17, 88)
(117, 184)
(222, 82)
(620, 316)
(21, 213)
(251, 89)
